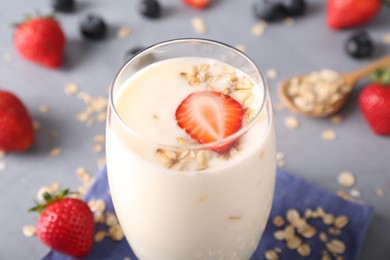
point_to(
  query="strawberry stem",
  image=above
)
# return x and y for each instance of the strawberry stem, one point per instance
(381, 76)
(386, 2)
(50, 198)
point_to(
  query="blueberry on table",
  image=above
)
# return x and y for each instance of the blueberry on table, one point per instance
(294, 7)
(360, 45)
(150, 8)
(93, 27)
(63, 5)
(133, 51)
(269, 11)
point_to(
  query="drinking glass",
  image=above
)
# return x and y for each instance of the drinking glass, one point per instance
(187, 200)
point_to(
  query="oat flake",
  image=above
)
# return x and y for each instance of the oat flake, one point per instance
(55, 152)
(71, 89)
(291, 122)
(29, 230)
(346, 179)
(198, 25)
(328, 135)
(123, 32)
(3, 166)
(259, 28)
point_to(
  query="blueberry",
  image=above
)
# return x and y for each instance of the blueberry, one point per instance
(133, 51)
(294, 7)
(360, 45)
(150, 8)
(63, 5)
(93, 27)
(269, 11)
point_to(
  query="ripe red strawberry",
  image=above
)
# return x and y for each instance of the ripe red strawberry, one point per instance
(16, 128)
(342, 14)
(65, 224)
(200, 4)
(209, 116)
(40, 40)
(374, 102)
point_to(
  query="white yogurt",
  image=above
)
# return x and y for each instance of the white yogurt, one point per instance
(217, 213)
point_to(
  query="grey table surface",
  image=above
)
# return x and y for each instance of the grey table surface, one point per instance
(304, 46)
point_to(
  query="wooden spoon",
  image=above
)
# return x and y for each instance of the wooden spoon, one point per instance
(350, 80)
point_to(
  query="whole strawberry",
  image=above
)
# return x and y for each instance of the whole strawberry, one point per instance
(40, 40)
(65, 224)
(342, 14)
(16, 128)
(374, 102)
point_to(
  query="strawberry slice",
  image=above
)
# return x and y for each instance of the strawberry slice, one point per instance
(209, 116)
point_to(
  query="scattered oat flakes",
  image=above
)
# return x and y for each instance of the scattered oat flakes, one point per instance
(99, 139)
(328, 219)
(198, 25)
(291, 122)
(7, 57)
(386, 39)
(99, 217)
(71, 89)
(346, 179)
(278, 221)
(127, 258)
(271, 73)
(95, 110)
(111, 219)
(98, 205)
(29, 230)
(100, 235)
(241, 47)
(304, 250)
(3, 166)
(259, 28)
(98, 148)
(123, 32)
(336, 246)
(36, 125)
(326, 256)
(334, 231)
(55, 152)
(355, 193)
(341, 221)
(345, 195)
(2, 153)
(271, 255)
(336, 119)
(44, 108)
(280, 156)
(116, 233)
(379, 192)
(288, 21)
(323, 237)
(329, 135)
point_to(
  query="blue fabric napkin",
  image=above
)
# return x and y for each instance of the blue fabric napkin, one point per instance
(290, 192)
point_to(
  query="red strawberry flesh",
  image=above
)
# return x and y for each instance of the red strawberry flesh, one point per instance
(16, 128)
(40, 40)
(210, 116)
(374, 102)
(67, 226)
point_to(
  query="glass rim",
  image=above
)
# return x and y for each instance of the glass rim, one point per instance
(191, 146)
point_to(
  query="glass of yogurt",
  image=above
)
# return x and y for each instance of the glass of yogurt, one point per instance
(191, 151)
